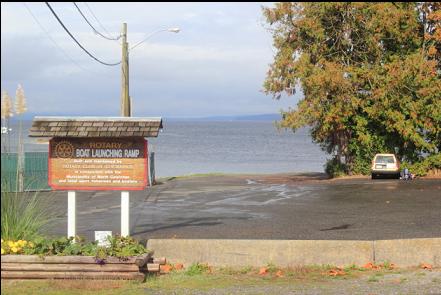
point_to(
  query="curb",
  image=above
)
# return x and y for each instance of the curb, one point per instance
(288, 253)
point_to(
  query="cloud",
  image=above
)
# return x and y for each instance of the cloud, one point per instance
(215, 66)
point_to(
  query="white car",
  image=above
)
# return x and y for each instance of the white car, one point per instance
(386, 165)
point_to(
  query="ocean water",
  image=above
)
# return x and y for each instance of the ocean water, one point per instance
(190, 147)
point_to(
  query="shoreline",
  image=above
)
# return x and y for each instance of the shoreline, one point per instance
(283, 177)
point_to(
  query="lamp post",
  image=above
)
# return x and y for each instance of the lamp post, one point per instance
(126, 108)
(126, 111)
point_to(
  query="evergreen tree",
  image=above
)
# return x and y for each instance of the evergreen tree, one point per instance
(370, 75)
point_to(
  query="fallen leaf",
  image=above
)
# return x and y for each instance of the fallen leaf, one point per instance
(263, 271)
(179, 266)
(426, 266)
(336, 272)
(166, 268)
(370, 265)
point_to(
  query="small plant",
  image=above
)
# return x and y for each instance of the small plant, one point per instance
(23, 215)
(351, 267)
(197, 269)
(272, 268)
(388, 265)
(245, 270)
(15, 247)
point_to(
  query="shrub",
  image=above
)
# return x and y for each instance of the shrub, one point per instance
(421, 168)
(335, 168)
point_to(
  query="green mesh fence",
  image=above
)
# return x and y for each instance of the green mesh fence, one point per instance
(35, 171)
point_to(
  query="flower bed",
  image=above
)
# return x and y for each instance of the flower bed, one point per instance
(123, 258)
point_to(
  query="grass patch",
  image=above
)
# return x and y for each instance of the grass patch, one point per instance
(200, 278)
(373, 279)
(70, 287)
(236, 271)
(197, 269)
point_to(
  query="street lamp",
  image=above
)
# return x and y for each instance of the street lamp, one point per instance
(172, 30)
(126, 110)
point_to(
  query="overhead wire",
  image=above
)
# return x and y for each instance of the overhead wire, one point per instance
(52, 39)
(97, 20)
(93, 28)
(76, 41)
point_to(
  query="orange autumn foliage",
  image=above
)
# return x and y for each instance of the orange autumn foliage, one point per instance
(263, 271)
(178, 266)
(166, 268)
(426, 266)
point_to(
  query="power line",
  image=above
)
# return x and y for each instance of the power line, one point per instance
(93, 28)
(52, 39)
(97, 20)
(76, 41)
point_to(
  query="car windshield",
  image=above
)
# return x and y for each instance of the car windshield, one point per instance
(384, 159)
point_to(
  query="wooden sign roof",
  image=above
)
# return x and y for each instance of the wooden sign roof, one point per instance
(95, 127)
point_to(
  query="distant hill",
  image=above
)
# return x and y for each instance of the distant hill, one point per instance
(260, 117)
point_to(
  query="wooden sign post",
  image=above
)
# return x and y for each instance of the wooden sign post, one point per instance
(71, 214)
(97, 153)
(98, 164)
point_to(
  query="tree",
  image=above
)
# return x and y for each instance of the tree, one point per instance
(369, 73)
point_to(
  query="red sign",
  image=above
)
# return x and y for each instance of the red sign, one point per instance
(98, 163)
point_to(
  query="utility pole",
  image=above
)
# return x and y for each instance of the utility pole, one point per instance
(125, 98)
(125, 112)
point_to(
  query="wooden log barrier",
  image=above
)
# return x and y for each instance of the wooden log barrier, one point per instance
(143, 259)
(161, 260)
(72, 275)
(64, 267)
(152, 267)
(77, 267)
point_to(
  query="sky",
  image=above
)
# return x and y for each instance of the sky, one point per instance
(214, 66)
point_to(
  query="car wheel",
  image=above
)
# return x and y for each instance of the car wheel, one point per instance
(373, 176)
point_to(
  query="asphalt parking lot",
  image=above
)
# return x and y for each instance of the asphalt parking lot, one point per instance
(300, 207)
